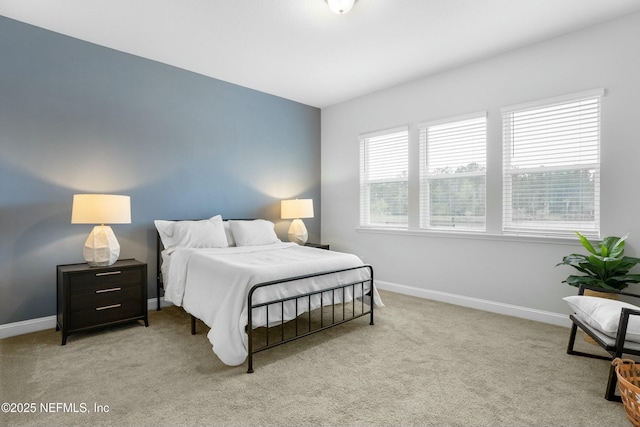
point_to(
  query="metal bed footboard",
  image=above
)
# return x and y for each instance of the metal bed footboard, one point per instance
(296, 333)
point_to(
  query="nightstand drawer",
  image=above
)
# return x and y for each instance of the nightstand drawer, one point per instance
(103, 279)
(105, 296)
(104, 314)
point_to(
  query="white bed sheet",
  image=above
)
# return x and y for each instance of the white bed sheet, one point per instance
(212, 284)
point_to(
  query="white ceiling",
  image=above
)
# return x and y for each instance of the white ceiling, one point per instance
(300, 50)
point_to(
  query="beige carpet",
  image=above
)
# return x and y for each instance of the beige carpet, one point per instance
(423, 363)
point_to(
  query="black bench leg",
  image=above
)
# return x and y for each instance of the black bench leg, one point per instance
(610, 394)
(572, 338)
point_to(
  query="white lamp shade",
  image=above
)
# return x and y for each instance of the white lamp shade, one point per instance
(101, 209)
(340, 6)
(295, 209)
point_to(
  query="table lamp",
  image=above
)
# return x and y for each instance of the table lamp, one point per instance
(297, 209)
(102, 247)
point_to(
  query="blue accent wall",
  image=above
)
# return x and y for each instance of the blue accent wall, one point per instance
(79, 118)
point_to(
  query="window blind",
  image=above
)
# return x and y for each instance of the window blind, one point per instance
(551, 166)
(453, 173)
(384, 166)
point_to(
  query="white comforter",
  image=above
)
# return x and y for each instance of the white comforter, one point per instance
(213, 284)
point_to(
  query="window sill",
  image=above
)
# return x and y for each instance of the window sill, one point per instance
(553, 240)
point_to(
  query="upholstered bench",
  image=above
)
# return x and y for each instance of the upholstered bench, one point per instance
(613, 324)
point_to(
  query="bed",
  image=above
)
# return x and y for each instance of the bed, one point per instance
(254, 291)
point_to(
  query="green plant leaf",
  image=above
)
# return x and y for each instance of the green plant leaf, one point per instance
(596, 265)
(611, 266)
(573, 259)
(607, 245)
(587, 244)
(628, 262)
(617, 285)
(579, 280)
(576, 261)
(617, 250)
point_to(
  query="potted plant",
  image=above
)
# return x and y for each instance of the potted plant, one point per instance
(605, 267)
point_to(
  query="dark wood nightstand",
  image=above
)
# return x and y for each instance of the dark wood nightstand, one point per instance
(92, 297)
(317, 245)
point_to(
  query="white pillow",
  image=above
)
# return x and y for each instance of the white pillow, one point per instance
(253, 233)
(604, 315)
(207, 233)
(227, 231)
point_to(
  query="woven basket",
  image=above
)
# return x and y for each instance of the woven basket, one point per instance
(628, 381)
(606, 295)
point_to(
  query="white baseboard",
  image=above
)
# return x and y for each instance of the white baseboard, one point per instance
(49, 322)
(27, 326)
(480, 304)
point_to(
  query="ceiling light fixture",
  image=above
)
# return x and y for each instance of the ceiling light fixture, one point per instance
(340, 6)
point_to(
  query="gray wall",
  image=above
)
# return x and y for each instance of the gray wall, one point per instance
(76, 117)
(514, 275)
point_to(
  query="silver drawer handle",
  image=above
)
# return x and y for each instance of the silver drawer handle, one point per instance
(108, 273)
(100, 291)
(106, 307)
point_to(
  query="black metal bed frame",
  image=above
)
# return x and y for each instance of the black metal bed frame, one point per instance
(364, 308)
(300, 334)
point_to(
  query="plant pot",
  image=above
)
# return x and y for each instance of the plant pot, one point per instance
(606, 295)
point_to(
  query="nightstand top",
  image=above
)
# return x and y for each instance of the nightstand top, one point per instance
(121, 263)
(317, 245)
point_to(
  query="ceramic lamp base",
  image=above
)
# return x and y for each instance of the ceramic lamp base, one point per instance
(298, 232)
(101, 248)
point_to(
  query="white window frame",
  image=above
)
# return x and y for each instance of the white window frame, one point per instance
(547, 227)
(365, 181)
(426, 177)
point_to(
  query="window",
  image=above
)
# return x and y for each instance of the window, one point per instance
(384, 166)
(551, 166)
(453, 173)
